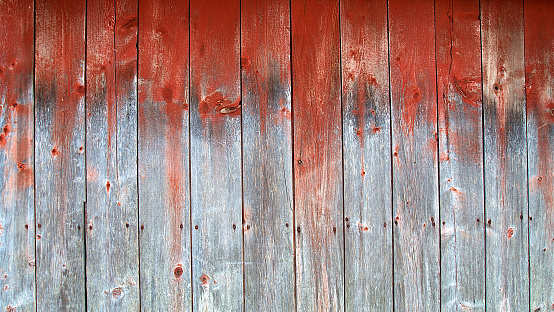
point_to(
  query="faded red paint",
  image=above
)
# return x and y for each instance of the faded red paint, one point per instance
(216, 105)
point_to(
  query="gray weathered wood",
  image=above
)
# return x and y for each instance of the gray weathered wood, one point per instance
(215, 122)
(539, 63)
(17, 213)
(367, 161)
(505, 153)
(414, 144)
(164, 156)
(317, 150)
(111, 149)
(267, 156)
(59, 152)
(458, 38)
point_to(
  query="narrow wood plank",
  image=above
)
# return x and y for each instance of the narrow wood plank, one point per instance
(415, 168)
(505, 149)
(367, 161)
(267, 156)
(111, 147)
(164, 156)
(17, 212)
(539, 68)
(60, 156)
(216, 201)
(317, 155)
(458, 53)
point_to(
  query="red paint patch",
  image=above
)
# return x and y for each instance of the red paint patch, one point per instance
(216, 104)
(510, 232)
(108, 186)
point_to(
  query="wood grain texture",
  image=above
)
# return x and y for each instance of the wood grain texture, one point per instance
(164, 156)
(317, 155)
(111, 147)
(367, 161)
(505, 154)
(458, 53)
(414, 143)
(60, 157)
(539, 62)
(17, 213)
(215, 121)
(267, 156)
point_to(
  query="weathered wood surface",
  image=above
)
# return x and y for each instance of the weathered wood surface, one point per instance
(17, 213)
(505, 156)
(539, 62)
(367, 161)
(414, 146)
(111, 152)
(215, 122)
(316, 96)
(60, 155)
(458, 52)
(164, 156)
(267, 156)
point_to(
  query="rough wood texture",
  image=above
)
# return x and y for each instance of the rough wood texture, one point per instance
(539, 62)
(367, 162)
(60, 157)
(414, 142)
(505, 153)
(458, 44)
(111, 147)
(164, 155)
(267, 156)
(317, 155)
(216, 181)
(17, 213)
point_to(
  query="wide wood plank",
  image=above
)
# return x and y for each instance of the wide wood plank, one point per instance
(215, 122)
(267, 156)
(17, 212)
(60, 155)
(505, 153)
(367, 161)
(164, 156)
(317, 155)
(458, 52)
(414, 144)
(539, 68)
(111, 147)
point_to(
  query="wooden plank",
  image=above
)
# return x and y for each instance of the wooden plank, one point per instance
(60, 157)
(539, 61)
(458, 53)
(216, 201)
(164, 156)
(415, 173)
(367, 162)
(17, 213)
(505, 149)
(317, 155)
(267, 156)
(111, 147)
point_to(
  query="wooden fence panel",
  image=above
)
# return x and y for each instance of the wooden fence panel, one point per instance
(111, 149)
(367, 159)
(60, 154)
(17, 211)
(267, 156)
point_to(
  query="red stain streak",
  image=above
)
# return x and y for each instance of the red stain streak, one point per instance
(108, 186)
(455, 190)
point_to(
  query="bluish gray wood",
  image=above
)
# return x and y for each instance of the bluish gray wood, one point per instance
(367, 165)
(458, 38)
(164, 156)
(414, 147)
(60, 156)
(539, 68)
(267, 156)
(111, 147)
(505, 153)
(17, 212)
(216, 183)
